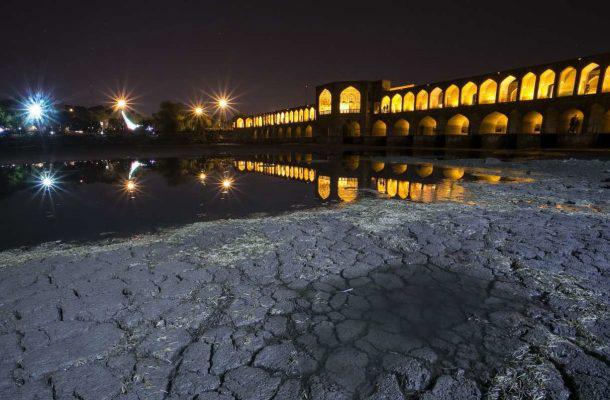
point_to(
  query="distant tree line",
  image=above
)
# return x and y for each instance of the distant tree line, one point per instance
(171, 118)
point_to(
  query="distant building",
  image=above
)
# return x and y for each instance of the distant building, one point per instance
(563, 98)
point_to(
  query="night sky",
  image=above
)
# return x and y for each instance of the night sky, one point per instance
(272, 55)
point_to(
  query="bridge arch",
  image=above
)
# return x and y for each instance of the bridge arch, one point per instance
(421, 102)
(495, 122)
(567, 81)
(469, 93)
(427, 126)
(349, 100)
(570, 121)
(546, 84)
(436, 98)
(528, 85)
(457, 125)
(379, 129)
(589, 78)
(508, 89)
(325, 102)
(385, 104)
(452, 96)
(606, 83)
(401, 128)
(351, 129)
(488, 91)
(408, 103)
(532, 123)
(396, 103)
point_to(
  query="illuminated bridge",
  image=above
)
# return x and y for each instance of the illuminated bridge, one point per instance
(564, 103)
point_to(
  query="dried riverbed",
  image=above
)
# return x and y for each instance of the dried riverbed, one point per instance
(503, 296)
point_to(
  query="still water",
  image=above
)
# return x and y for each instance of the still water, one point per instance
(88, 200)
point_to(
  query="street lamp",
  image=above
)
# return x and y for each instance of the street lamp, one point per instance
(120, 103)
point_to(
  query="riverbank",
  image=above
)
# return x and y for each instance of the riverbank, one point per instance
(504, 295)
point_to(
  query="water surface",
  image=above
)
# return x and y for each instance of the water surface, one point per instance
(88, 200)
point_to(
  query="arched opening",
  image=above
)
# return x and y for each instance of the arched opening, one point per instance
(528, 85)
(399, 168)
(532, 123)
(381, 185)
(401, 128)
(567, 80)
(408, 103)
(546, 84)
(325, 102)
(377, 166)
(427, 126)
(351, 161)
(606, 122)
(239, 123)
(306, 115)
(248, 122)
(312, 114)
(457, 125)
(379, 129)
(351, 129)
(280, 133)
(308, 131)
(301, 115)
(453, 173)
(403, 189)
(508, 89)
(297, 132)
(488, 91)
(421, 101)
(589, 78)
(469, 94)
(424, 170)
(349, 101)
(385, 104)
(452, 96)
(494, 123)
(396, 103)
(324, 187)
(570, 121)
(436, 98)
(391, 187)
(606, 84)
(347, 189)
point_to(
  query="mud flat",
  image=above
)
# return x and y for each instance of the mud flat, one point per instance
(504, 295)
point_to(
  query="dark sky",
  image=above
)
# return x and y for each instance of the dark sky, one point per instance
(273, 54)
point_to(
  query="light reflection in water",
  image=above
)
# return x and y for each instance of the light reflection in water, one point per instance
(424, 184)
(347, 189)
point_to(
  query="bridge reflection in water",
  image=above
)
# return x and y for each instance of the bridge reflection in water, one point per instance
(346, 178)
